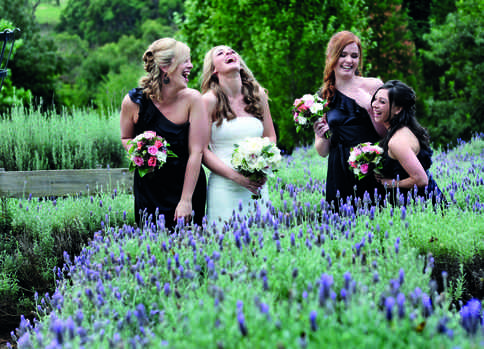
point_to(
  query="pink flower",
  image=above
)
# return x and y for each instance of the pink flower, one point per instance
(308, 100)
(302, 108)
(138, 160)
(140, 145)
(149, 134)
(158, 144)
(152, 150)
(297, 102)
(353, 164)
(364, 168)
(152, 161)
(296, 115)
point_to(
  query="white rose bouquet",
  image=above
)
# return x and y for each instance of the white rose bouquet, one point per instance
(147, 152)
(256, 158)
(365, 158)
(307, 109)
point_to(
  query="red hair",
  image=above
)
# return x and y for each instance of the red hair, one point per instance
(335, 47)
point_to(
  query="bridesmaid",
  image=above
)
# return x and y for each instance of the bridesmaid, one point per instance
(238, 108)
(163, 103)
(408, 155)
(348, 119)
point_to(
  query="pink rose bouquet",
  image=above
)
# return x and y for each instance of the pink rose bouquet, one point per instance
(307, 109)
(365, 158)
(148, 152)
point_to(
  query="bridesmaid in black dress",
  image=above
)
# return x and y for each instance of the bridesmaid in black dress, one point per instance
(408, 155)
(348, 121)
(163, 103)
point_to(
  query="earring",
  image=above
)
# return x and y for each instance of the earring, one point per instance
(166, 79)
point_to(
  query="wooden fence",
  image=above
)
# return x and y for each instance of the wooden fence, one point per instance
(63, 182)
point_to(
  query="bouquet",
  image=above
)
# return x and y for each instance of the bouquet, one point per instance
(365, 158)
(256, 158)
(307, 109)
(148, 151)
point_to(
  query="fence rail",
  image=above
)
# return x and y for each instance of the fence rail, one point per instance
(62, 182)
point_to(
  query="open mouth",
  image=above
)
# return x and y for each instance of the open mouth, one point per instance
(230, 59)
(346, 67)
(185, 74)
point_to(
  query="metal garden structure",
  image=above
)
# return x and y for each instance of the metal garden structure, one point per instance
(7, 39)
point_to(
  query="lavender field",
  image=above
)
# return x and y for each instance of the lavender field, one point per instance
(292, 275)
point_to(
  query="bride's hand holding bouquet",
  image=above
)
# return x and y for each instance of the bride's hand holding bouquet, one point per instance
(256, 158)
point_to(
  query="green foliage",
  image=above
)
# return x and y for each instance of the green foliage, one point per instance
(35, 141)
(282, 42)
(456, 106)
(36, 65)
(102, 21)
(393, 56)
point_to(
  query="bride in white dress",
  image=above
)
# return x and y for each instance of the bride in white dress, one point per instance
(238, 108)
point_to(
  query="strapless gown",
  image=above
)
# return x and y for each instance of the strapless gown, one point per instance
(225, 197)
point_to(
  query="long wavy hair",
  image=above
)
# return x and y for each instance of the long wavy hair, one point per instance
(403, 96)
(251, 90)
(335, 47)
(166, 52)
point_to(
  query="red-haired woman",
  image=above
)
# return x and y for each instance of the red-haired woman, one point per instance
(348, 119)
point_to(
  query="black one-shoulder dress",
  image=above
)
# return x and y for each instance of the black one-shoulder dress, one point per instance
(402, 196)
(160, 191)
(350, 125)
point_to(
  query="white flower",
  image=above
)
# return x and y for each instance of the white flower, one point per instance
(161, 156)
(316, 107)
(302, 120)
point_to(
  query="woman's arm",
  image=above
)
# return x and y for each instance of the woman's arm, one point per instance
(197, 141)
(321, 143)
(214, 163)
(404, 146)
(128, 118)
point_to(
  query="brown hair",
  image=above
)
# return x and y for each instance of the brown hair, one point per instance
(166, 52)
(335, 47)
(251, 90)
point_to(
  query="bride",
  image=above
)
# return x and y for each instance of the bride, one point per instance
(238, 108)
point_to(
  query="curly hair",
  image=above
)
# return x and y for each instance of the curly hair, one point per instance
(335, 47)
(403, 96)
(166, 52)
(251, 90)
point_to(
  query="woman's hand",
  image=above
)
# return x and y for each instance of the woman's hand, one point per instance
(183, 210)
(321, 127)
(251, 185)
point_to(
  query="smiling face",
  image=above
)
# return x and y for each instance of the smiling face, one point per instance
(182, 71)
(348, 61)
(381, 106)
(225, 59)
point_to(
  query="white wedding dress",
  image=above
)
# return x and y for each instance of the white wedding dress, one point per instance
(225, 197)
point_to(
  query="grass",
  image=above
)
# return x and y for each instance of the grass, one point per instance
(48, 14)
(296, 277)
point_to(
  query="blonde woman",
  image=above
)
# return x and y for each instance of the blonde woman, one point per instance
(237, 107)
(163, 103)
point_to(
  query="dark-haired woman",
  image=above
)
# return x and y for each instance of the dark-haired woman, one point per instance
(238, 108)
(163, 103)
(408, 155)
(348, 119)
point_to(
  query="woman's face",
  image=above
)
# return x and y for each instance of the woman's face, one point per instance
(225, 59)
(348, 61)
(182, 71)
(381, 106)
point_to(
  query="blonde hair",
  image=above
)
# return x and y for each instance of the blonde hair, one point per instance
(251, 90)
(336, 45)
(166, 52)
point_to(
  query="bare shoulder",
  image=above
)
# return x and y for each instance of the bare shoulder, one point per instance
(128, 105)
(209, 99)
(403, 138)
(371, 84)
(192, 94)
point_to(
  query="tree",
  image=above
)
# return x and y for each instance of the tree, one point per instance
(282, 42)
(456, 108)
(36, 65)
(103, 21)
(393, 56)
